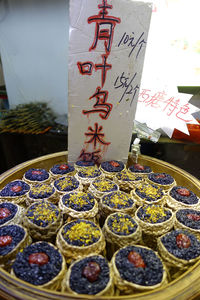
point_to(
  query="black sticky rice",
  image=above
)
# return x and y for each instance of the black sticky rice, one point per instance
(108, 167)
(13, 210)
(16, 232)
(121, 224)
(36, 177)
(94, 174)
(113, 187)
(34, 273)
(182, 217)
(80, 240)
(84, 286)
(126, 200)
(169, 241)
(75, 205)
(36, 194)
(191, 199)
(71, 184)
(147, 169)
(168, 179)
(151, 275)
(8, 192)
(82, 163)
(150, 198)
(126, 177)
(144, 216)
(59, 171)
(35, 213)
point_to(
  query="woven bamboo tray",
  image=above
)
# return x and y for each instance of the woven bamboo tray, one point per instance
(187, 286)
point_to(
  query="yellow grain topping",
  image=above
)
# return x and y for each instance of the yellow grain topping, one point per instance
(41, 189)
(150, 191)
(104, 185)
(79, 198)
(90, 172)
(126, 176)
(81, 233)
(123, 224)
(66, 183)
(153, 213)
(117, 200)
(43, 213)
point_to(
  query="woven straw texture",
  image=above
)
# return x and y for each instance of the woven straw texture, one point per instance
(170, 259)
(79, 214)
(107, 291)
(109, 175)
(121, 240)
(17, 219)
(33, 182)
(106, 210)
(7, 260)
(78, 189)
(129, 287)
(176, 205)
(98, 194)
(126, 186)
(165, 187)
(16, 199)
(54, 198)
(55, 283)
(87, 181)
(141, 201)
(75, 252)
(179, 225)
(144, 175)
(156, 229)
(42, 233)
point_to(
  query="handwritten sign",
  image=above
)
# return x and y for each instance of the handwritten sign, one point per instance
(165, 109)
(107, 46)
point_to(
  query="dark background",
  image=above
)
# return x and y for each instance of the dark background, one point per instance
(18, 148)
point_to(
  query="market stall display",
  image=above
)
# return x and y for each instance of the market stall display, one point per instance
(174, 285)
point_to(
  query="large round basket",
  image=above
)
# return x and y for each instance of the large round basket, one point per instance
(187, 286)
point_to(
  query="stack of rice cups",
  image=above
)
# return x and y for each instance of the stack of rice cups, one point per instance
(114, 229)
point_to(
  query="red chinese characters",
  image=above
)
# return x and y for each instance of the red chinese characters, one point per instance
(104, 32)
(104, 67)
(168, 105)
(90, 156)
(85, 68)
(96, 136)
(101, 106)
(102, 21)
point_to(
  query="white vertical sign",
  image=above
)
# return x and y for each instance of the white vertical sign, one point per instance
(107, 46)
